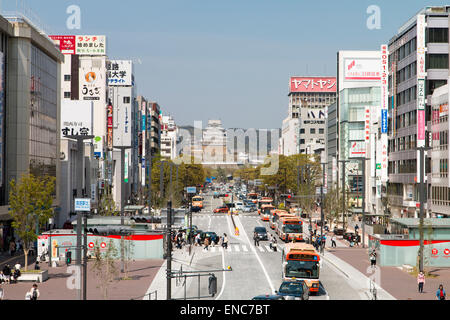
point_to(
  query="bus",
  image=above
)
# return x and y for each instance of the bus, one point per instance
(266, 211)
(197, 201)
(289, 228)
(301, 262)
(264, 201)
(253, 196)
(277, 214)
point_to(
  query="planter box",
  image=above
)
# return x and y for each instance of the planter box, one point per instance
(34, 276)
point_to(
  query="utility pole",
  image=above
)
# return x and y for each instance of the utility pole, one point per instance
(169, 250)
(80, 174)
(422, 192)
(343, 193)
(321, 207)
(122, 201)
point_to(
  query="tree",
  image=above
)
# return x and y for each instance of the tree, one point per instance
(107, 206)
(31, 202)
(332, 205)
(128, 244)
(104, 266)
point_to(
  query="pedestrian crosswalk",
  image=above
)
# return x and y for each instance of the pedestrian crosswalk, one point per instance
(236, 248)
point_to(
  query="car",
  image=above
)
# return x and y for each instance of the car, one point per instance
(239, 206)
(268, 297)
(222, 209)
(261, 232)
(196, 209)
(248, 209)
(338, 231)
(210, 234)
(297, 290)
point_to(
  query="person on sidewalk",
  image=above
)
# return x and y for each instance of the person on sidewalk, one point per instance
(333, 241)
(206, 243)
(225, 241)
(356, 228)
(34, 292)
(198, 239)
(440, 294)
(2, 292)
(421, 281)
(373, 259)
(12, 248)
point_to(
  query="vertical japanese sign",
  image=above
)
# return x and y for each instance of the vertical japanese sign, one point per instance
(421, 75)
(367, 123)
(125, 172)
(109, 132)
(383, 157)
(143, 127)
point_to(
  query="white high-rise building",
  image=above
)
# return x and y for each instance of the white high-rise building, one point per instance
(169, 133)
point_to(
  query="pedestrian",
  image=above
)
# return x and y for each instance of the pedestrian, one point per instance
(373, 259)
(206, 243)
(198, 239)
(356, 228)
(256, 239)
(34, 292)
(225, 241)
(440, 293)
(273, 243)
(2, 292)
(2, 277)
(17, 266)
(333, 241)
(12, 247)
(37, 266)
(7, 273)
(421, 281)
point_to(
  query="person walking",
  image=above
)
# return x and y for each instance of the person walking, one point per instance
(225, 241)
(2, 292)
(256, 239)
(373, 259)
(273, 243)
(12, 247)
(206, 244)
(34, 292)
(7, 273)
(440, 293)
(333, 241)
(198, 239)
(421, 281)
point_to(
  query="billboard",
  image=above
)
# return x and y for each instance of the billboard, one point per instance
(65, 44)
(313, 84)
(384, 72)
(90, 45)
(357, 149)
(76, 118)
(109, 132)
(120, 72)
(122, 124)
(361, 69)
(92, 83)
(421, 74)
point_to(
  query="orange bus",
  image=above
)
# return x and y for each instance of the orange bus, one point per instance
(302, 262)
(197, 201)
(264, 201)
(277, 214)
(289, 228)
(253, 196)
(266, 211)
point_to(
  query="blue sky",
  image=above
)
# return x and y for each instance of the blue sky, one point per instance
(229, 59)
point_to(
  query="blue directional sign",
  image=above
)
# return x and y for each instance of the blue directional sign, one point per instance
(83, 204)
(384, 121)
(191, 190)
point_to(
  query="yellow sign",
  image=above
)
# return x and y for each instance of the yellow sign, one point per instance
(236, 232)
(54, 249)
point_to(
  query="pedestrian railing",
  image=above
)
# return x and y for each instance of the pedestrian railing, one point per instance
(149, 295)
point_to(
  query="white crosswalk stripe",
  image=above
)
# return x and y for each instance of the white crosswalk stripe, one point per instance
(237, 248)
(261, 249)
(268, 248)
(244, 248)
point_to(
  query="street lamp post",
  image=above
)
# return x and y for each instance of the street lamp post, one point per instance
(422, 192)
(122, 200)
(80, 174)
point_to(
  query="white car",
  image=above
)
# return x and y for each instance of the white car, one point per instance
(239, 206)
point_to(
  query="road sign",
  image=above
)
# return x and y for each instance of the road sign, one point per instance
(318, 190)
(83, 204)
(191, 190)
(91, 245)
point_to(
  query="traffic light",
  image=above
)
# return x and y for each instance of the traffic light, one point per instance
(212, 287)
(68, 257)
(289, 196)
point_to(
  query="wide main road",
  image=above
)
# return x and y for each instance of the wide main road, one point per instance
(256, 270)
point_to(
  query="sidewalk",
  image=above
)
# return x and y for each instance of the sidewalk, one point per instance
(394, 280)
(141, 274)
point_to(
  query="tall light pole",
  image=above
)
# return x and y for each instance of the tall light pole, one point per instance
(80, 174)
(422, 192)
(122, 200)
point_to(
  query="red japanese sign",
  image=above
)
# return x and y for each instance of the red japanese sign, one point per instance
(313, 84)
(66, 43)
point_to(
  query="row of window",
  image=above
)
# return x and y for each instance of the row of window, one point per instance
(402, 166)
(312, 131)
(406, 96)
(403, 143)
(407, 72)
(440, 196)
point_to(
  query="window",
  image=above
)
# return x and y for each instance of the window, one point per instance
(437, 35)
(321, 131)
(126, 99)
(312, 131)
(302, 141)
(67, 94)
(67, 77)
(437, 61)
(302, 131)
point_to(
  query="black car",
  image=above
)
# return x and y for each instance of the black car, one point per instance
(196, 209)
(261, 232)
(268, 297)
(294, 289)
(338, 231)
